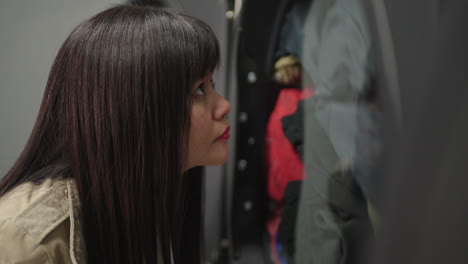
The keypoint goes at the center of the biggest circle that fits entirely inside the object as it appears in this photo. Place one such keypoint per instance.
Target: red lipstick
(225, 135)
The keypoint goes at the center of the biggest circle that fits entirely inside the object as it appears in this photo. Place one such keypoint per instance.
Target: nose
(222, 108)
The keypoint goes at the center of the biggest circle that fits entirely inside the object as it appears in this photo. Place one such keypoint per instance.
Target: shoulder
(34, 223)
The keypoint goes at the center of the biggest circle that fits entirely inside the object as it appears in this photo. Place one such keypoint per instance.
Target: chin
(219, 157)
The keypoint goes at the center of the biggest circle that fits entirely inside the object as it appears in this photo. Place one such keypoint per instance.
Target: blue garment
(291, 34)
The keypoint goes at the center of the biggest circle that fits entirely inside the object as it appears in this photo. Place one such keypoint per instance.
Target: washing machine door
(424, 167)
(417, 188)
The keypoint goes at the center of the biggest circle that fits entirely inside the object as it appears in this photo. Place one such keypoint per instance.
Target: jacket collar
(77, 245)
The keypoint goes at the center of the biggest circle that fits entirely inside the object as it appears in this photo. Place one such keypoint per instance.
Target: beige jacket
(41, 224)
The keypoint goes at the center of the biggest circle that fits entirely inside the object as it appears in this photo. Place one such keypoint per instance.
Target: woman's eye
(200, 90)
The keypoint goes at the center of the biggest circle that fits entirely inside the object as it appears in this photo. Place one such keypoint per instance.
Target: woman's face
(209, 129)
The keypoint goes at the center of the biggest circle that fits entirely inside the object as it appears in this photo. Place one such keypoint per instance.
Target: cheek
(198, 128)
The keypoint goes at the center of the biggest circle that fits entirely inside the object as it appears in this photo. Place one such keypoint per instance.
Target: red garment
(283, 162)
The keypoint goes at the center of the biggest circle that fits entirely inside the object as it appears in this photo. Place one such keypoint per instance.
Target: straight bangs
(205, 48)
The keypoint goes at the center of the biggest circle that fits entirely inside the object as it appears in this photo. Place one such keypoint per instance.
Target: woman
(128, 109)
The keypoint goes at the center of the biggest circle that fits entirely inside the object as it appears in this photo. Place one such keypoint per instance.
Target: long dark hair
(116, 111)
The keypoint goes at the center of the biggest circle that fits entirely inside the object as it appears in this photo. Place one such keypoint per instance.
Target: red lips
(225, 135)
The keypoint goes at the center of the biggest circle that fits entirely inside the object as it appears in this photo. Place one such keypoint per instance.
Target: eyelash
(201, 88)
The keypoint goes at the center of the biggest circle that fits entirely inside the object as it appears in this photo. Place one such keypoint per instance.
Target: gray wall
(31, 34)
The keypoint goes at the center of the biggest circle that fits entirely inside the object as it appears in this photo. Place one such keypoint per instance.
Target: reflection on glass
(322, 137)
